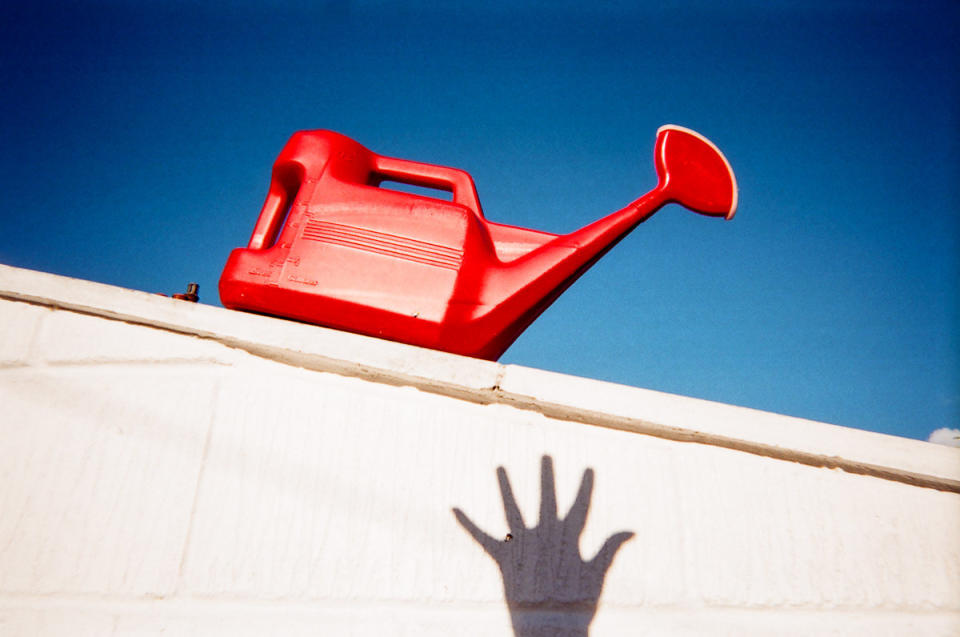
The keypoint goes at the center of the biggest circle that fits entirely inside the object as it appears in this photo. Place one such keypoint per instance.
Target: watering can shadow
(333, 248)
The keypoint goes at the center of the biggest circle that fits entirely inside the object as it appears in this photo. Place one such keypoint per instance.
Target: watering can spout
(691, 171)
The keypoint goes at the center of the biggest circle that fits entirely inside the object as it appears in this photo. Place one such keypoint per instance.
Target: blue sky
(137, 140)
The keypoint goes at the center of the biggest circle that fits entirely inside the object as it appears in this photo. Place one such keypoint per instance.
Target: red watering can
(334, 249)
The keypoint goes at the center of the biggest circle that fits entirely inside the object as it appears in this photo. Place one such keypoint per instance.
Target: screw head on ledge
(190, 295)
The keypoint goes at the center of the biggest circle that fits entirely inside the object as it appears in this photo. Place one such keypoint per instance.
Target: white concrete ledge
(555, 395)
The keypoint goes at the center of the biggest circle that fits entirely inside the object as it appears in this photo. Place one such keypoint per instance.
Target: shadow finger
(510, 508)
(489, 544)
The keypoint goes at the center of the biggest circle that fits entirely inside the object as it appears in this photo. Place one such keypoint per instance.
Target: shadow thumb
(605, 555)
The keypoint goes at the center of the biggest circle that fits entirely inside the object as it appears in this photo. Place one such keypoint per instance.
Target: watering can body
(331, 247)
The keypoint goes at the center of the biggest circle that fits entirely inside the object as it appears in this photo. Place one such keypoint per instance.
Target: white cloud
(945, 436)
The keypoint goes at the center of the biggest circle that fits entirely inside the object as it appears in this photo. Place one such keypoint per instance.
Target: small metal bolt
(191, 295)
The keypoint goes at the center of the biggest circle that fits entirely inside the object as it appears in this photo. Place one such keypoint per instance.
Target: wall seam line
(199, 485)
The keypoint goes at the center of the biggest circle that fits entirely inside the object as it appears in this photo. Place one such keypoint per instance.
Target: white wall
(168, 468)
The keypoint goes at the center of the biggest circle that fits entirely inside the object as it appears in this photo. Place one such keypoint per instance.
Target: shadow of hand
(550, 589)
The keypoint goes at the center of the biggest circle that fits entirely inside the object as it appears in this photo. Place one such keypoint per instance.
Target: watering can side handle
(415, 173)
(284, 184)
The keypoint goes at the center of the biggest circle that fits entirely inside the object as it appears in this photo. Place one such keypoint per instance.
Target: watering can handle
(284, 184)
(415, 173)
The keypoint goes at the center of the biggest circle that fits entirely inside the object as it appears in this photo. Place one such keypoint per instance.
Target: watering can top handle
(415, 173)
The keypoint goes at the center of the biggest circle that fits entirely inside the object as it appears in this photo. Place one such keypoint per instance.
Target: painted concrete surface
(170, 468)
